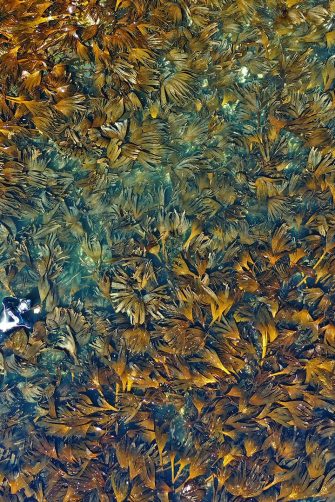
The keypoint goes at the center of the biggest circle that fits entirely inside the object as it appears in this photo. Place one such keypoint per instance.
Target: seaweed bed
(167, 188)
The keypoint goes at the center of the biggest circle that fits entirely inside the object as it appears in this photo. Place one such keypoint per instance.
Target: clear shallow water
(167, 198)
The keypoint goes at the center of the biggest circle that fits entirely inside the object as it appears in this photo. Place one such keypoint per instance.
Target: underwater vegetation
(167, 189)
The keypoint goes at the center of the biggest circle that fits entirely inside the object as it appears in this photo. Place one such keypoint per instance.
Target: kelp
(166, 200)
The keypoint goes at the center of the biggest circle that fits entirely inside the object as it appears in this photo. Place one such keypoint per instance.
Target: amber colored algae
(167, 186)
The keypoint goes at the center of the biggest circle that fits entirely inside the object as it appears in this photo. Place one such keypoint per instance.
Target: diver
(15, 314)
